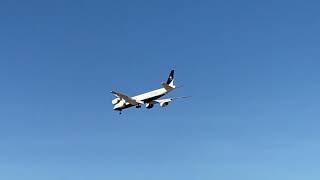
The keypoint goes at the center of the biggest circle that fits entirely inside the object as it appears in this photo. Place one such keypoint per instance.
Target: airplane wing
(126, 98)
(162, 100)
(166, 101)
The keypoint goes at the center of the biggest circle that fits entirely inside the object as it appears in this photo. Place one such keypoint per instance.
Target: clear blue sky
(252, 68)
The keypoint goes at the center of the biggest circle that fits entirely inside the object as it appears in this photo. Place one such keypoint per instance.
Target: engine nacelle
(116, 101)
(149, 106)
(164, 104)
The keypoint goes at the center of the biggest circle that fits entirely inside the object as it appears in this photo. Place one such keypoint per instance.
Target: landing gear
(120, 112)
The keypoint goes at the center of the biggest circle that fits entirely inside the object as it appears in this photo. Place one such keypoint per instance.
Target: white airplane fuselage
(145, 98)
(148, 99)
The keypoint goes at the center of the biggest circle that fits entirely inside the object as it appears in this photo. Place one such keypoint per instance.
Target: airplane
(148, 99)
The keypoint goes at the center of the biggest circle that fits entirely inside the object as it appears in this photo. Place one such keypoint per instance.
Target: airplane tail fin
(169, 84)
(171, 79)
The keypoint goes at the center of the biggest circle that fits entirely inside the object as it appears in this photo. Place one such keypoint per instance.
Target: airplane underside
(148, 103)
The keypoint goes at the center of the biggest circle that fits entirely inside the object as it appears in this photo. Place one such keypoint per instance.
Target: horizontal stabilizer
(168, 87)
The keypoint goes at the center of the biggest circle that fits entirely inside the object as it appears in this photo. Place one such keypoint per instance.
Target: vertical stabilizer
(169, 84)
(171, 79)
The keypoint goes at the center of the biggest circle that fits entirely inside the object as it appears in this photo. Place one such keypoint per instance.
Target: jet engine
(116, 101)
(164, 104)
(149, 106)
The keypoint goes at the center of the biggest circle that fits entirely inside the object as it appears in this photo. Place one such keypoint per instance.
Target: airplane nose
(118, 107)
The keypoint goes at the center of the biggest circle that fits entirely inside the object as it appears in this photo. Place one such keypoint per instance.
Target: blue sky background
(252, 68)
